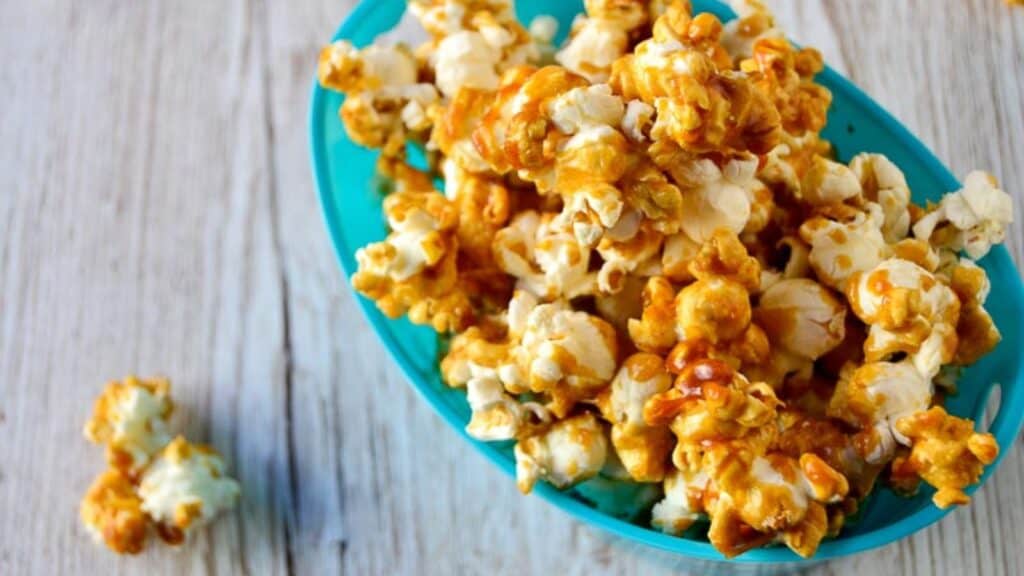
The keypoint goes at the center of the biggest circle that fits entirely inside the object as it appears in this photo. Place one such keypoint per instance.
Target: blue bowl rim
(829, 549)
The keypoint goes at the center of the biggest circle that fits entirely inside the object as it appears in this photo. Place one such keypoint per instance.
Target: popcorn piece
(384, 100)
(637, 121)
(676, 256)
(946, 452)
(547, 260)
(909, 311)
(347, 69)
(885, 184)
(444, 17)
(754, 23)
(874, 397)
(453, 128)
(624, 257)
(712, 310)
(976, 332)
(786, 74)
(644, 450)
(655, 330)
(699, 109)
(839, 249)
(601, 37)
(130, 419)
(414, 269)
(828, 182)
(712, 403)
(802, 317)
(775, 495)
(474, 361)
(466, 59)
(715, 198)
(186, 487)
(566, 353)
(112, 513)
(474, 42)
(683, 502)
(572, 450)
(972, 219)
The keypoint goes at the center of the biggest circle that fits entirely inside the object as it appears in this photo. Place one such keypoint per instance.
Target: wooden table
(157, 215)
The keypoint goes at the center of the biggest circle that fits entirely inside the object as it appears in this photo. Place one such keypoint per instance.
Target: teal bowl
(351, 202)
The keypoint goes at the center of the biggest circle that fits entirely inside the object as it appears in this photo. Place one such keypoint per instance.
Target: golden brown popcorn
(723, 256)
(945, 452)
(803, 321)
(774, 495)
(909, 310)
(655, 330)
(683, 503)
(699, 107)
(516, 132)
(444, 17)
(112, 512)
(972, 219)
(873, 397)
(484, 207)
(627, 256)
(841, 248)
(474, 42)
(644, 450)
(711, 403)
(475, 361)
(785, 165)
(185, 488)
(602, 36)
(572, 450)
(801, 433)
(828, 182)
(754, 22)
(648, 190)
(384, 98)
(545, 258)
(567, 354)
(130, 419)
(786, 74)
(883, 182)
(977, 334)
(414, 270)
(454, 124)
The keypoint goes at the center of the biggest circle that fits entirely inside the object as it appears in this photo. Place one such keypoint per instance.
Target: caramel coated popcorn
(154, 483)
(654, 269)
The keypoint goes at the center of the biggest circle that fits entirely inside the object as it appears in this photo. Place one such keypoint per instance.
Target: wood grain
(157, 215)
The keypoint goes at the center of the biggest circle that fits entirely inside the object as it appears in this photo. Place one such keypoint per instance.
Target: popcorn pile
(154, 480)
(654, 268)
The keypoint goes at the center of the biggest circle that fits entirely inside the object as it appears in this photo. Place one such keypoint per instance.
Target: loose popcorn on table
(154, 483)
(654, 269)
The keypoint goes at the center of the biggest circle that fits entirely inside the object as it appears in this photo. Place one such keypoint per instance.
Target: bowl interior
(351, 196)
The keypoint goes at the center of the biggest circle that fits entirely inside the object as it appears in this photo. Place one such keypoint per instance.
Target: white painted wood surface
(157, 215)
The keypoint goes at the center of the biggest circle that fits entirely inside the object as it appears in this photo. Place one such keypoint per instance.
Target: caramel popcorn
(946, 453)
(655, 270)
(571, 451)
(112, 512)
(130, 419)
(154, 482)
(185, 488)
(972, 219)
